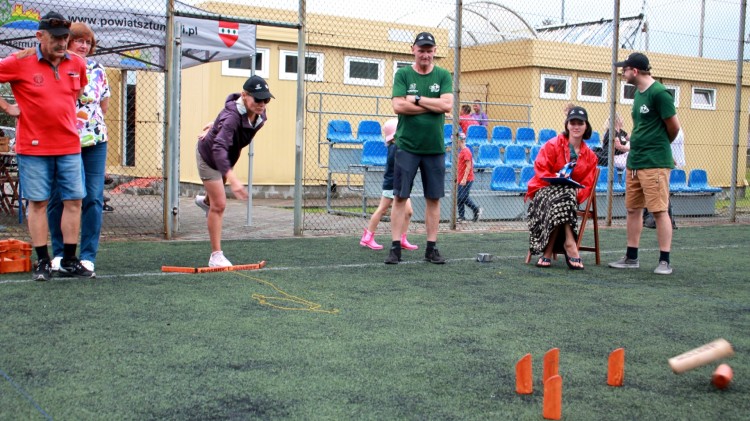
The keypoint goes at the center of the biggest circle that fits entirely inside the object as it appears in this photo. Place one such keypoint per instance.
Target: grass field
(328, 332)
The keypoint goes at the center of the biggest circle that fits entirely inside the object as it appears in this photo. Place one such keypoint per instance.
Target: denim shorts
(37, 174)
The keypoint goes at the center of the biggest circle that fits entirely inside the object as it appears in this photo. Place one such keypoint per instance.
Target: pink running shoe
(405, 244)
(368, 240)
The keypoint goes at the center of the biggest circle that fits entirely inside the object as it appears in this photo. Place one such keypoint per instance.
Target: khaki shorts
(204, 171)
(648, 188)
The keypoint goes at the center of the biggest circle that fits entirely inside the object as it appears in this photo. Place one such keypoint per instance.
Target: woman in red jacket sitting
(552, 219)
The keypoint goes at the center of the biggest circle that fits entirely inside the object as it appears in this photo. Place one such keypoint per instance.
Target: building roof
(598, 33)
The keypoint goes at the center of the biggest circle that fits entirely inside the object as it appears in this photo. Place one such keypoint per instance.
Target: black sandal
(571, 260)
(542, 260)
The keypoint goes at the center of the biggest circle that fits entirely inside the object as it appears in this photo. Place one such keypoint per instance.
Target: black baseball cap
(424, 38)
(257, 87)
(577, 113)
(636, 60)
(55, 24)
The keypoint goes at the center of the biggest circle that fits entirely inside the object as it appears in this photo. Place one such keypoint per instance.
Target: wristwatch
(416, 99)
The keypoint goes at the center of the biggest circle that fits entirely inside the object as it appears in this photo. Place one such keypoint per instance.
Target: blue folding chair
(515, 156)
(504, 179)
(534, 152)
(502, 136)
(488, 157)
(374, 153)
(594, 141)
(698, 180)
(448, 134)
(527, 173)
(340, 131)
(546, 134)
(369, 130)
(476, 136)
(678, 181)
(525, 136)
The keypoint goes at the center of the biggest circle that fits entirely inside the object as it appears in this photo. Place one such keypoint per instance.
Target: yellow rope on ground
(304, 305)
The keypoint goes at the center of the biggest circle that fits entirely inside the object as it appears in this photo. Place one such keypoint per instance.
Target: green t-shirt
(423, 133)
(649, 142)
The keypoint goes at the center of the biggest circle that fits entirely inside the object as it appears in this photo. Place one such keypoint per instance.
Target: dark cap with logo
(55, 24)
(577, 113)
(636, 60)
(424, 38)
(257, 88)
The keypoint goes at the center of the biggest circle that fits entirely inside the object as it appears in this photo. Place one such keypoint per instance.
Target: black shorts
(405, 169)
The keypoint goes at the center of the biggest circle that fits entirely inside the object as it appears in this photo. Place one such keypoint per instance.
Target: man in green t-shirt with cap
(422, 95)
(655, 126)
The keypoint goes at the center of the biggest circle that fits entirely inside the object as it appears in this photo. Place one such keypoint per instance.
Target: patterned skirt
(551, 207)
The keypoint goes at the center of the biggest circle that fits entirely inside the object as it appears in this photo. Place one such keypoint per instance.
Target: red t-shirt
(465, 160)
(47, 99)
(465, 121)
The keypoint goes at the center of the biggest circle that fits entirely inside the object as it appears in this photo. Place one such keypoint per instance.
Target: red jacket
(553, 156)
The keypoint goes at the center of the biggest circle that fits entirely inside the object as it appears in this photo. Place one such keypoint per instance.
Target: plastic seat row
(504, 179)
(679, 182)
(489, 156)
(340, 131)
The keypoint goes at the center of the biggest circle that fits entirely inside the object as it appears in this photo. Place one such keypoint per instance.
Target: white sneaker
(200, 200)
(664, 268)
(88, 264)
(218, 260)
(55, 265)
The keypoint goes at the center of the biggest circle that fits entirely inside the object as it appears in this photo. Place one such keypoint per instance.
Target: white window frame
(589, 98)
(397, 62)
(676, 94)
(265, 59)
(380, 81)
(548, 95)
(624, 100)
(317, 77)
(712, 98)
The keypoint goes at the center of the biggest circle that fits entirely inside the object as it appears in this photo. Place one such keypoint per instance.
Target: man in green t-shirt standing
(422, 95)
(655, 126)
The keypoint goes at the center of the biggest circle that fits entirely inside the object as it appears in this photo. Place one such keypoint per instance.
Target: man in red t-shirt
(465, 178)
(46, 81)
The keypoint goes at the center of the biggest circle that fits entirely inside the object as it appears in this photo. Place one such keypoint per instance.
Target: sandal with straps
(544, 262)
(571, 260)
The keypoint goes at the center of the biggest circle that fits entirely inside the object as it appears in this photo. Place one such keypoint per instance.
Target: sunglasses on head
(56, 23)
(258, 100)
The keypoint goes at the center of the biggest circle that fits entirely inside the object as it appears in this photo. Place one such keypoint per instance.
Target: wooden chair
(589, 211)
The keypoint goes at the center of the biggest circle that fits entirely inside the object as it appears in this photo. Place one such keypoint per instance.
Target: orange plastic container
(15, 256)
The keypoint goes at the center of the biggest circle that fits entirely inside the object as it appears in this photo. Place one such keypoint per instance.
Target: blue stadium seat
(488, 157)
(546, 134)
(374, 153)
(476, 135)
(534, 152)
(515, 156)
(501, 136)
(601, 183)
(369, 130)
(340, 131)
(504, 179)
(698, 180)
(525, 136)
(594, 141)
(678, 181)
(526, 174)
(448, 159)
(448, 134)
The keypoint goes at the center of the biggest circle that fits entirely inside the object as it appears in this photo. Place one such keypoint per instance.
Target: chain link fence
(520, 63)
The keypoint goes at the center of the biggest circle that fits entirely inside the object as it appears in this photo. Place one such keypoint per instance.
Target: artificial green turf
(412, 341)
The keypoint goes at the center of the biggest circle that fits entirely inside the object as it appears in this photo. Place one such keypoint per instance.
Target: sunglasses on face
(258, 100)
(56, 23)
(576, 123)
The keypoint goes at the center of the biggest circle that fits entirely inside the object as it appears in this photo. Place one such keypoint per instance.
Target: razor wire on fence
(519, 63)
